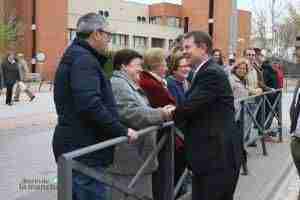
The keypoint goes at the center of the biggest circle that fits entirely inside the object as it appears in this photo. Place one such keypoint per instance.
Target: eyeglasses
(184, 66)
(109, 34)
(249, 54)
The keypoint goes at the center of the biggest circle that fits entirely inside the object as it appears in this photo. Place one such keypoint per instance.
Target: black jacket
(270, 75)
(85, 104)
(295, 109)
(211, 136)
(10, 72)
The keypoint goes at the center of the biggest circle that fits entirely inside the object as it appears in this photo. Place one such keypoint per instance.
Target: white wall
(123, 18)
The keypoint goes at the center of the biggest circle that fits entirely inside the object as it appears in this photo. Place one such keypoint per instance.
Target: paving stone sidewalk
(26, 131)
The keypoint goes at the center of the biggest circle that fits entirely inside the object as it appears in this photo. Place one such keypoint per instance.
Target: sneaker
(272, 133)
(31, 98)
(253, 144)
(270, 139)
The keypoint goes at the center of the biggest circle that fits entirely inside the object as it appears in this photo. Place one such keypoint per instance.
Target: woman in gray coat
(135, 112)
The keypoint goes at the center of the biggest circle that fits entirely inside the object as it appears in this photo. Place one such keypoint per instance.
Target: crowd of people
(14, 74)
(192, 87)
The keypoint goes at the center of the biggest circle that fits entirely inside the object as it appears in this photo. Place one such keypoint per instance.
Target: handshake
(167, 112)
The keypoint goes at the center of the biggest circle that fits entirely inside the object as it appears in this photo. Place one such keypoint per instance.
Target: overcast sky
(242, 4)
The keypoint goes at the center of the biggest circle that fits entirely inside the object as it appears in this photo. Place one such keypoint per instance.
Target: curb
(273, 187)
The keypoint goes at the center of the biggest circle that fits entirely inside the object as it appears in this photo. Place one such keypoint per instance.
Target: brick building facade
(49, 25)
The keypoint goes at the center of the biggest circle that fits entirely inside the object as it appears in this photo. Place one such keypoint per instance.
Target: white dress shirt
(199, 67)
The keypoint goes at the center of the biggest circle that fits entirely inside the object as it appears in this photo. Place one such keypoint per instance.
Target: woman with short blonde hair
(152, 81)
(153, 58)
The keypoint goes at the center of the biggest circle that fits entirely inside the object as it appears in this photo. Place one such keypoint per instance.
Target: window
(103, 13)
(72, 34)
(139, 42)
(155, 20)
(120, 40)
(178, 22)
(173, 21)
(158, 42)
(141, 19)
(186, 24)
(171, 44)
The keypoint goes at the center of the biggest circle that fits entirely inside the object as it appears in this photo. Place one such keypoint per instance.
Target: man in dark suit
(85, 105)
(213, 146)
(295, 128)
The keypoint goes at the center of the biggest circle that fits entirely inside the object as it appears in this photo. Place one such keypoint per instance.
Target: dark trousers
(217, 186)
(180, 164)
(85, 187)
(9, 93)
(162, 187)
(295, 149)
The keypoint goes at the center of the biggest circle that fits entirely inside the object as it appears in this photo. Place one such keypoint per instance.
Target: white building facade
(131, 23)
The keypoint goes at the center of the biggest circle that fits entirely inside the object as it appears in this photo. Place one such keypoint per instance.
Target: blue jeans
(86, 188)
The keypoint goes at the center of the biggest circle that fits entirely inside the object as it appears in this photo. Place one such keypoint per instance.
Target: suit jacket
(294, 109)
(135, 112)
(211, 136)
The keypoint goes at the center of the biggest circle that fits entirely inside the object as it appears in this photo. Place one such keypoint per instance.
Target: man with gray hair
(85, 105)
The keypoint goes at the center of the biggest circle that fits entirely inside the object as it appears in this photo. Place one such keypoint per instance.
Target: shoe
(270, 139)
(252, 145)
(272, 133)
(9, 104)
(31, 98)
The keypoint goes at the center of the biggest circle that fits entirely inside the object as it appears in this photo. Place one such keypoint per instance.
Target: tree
(288, 31)
(266, 16)
(10, 33)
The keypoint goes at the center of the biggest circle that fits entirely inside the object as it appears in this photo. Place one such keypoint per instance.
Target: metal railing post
(280, 116)
(169, 193)
(64, 174)
(262, 122)
(242, 124)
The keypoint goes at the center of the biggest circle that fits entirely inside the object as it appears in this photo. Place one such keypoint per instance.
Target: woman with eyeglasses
(178, 85)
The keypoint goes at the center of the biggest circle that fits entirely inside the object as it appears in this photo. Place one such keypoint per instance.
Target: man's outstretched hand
(132, 135)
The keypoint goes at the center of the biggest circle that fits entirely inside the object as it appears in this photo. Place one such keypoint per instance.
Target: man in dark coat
(295, 128)
(85, 104)
(213, 145)
(10, 75)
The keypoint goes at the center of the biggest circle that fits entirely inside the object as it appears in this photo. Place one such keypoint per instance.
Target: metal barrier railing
(261, 109)
(66, 163)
